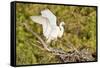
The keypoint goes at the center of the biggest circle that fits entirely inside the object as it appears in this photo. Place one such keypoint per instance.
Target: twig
(30, 42)
(66, 57)
(54, 51)
(43, 43)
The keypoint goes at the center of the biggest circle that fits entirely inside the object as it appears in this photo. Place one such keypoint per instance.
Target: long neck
(61, 30)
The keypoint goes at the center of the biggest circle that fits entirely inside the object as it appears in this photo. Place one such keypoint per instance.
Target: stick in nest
(65, 56)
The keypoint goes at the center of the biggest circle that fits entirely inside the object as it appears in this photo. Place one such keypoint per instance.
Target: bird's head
(62, 23)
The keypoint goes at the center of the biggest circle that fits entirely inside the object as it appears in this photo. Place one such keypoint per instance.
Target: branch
(39, 38)
(42, 41)
(74, 56)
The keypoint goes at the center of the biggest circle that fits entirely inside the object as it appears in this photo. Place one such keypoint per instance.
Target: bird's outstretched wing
(51, 17)
(39, 19)
(45, 24)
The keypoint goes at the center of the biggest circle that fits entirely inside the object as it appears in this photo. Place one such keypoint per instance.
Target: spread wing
(51, 17)
(45, 24)
(39, 19)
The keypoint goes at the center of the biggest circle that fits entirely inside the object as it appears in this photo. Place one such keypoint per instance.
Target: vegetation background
(80, 30)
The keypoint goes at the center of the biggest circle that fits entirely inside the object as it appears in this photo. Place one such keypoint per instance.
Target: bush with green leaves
(80, 30)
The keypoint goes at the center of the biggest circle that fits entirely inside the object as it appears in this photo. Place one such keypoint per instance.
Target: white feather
(51, 17)
(50, 29)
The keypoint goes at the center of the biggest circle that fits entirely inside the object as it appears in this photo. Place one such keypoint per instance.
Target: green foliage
(80, 30)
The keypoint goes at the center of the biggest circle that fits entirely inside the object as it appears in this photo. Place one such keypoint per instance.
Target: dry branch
(75, 56)
(41, 40)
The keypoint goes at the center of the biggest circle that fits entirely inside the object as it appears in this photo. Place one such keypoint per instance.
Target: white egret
(50, 29)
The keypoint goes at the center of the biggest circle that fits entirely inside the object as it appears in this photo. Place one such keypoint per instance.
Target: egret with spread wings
(48, 21)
